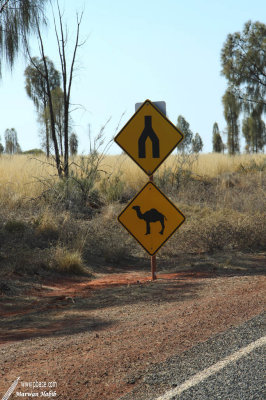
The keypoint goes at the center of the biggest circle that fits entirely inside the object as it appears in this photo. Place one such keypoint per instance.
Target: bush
(165, 179)
(252, 166)
(107, 238)
(112, 188)
(34, 152)
(209, 231)
(14, 226)
(77, 195)
(47, 226)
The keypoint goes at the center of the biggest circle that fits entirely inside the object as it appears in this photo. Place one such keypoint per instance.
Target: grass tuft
(68, 261)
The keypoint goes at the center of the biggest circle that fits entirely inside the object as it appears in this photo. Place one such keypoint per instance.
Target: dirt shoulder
(96, 338)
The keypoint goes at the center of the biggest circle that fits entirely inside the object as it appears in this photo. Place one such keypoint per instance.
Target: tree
(217, 143)
(59, 117)
(244, 64)
(17, 21)
(67, 69)
(11, 141)
(254, 131)
(58, 106)
(36, 88)
(186, 157)
(197, 143)
(183, 125)
(1, 147)
(232, 108)
(58, 109)
(73, 144)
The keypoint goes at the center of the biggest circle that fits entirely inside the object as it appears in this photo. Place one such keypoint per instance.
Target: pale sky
(136, 50)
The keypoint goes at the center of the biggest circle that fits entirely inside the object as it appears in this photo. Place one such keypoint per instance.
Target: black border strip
(157, 109)
(131, 201)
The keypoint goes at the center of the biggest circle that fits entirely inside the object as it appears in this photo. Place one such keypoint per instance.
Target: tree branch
(3, 6)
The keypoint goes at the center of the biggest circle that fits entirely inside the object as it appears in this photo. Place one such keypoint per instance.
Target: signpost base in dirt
(153, 258)
(153, 268)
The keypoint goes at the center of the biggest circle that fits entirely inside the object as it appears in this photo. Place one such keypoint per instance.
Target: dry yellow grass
(65, 232)
(211, 164)
(21, 175)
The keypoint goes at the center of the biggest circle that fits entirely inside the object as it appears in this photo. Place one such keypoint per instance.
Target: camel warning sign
(151, 218)
(148, 137)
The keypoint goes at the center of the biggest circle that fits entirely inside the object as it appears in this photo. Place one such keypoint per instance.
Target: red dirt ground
(97, 338)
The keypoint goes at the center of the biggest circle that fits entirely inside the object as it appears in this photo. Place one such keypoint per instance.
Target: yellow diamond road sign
(151, 218)
(148, 137)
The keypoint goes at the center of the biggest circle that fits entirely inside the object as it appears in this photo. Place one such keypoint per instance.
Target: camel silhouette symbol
(149, 216)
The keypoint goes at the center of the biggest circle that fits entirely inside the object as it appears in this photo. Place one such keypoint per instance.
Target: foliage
(36, 85)
(37, 89)
(244, 64)
(217, 143)
(73, 144)
(252, 166)
(58, 106)
(112, 188)
(254, 131)
(1, 147)
(11, 138)
(47, 226)
(17, 21)
(83, 179)
(79, 192)
(197, 143)
(232, 107)
(223, 201)
(183, 125)
(165, 179)
(57, 97)
(173, 179)
(107, 237)
(188, 153)
(34, 152)
(212, 232)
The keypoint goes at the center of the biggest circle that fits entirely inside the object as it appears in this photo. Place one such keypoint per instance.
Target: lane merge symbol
(148, 132)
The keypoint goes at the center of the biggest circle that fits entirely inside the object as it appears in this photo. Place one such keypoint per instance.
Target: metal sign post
(153, 258)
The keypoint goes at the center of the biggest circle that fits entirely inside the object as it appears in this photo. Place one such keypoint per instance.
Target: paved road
(241, 378)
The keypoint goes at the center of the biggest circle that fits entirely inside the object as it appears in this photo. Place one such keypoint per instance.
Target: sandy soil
(96, 338)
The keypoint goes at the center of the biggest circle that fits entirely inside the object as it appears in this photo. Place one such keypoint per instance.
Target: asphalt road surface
(228, 366)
